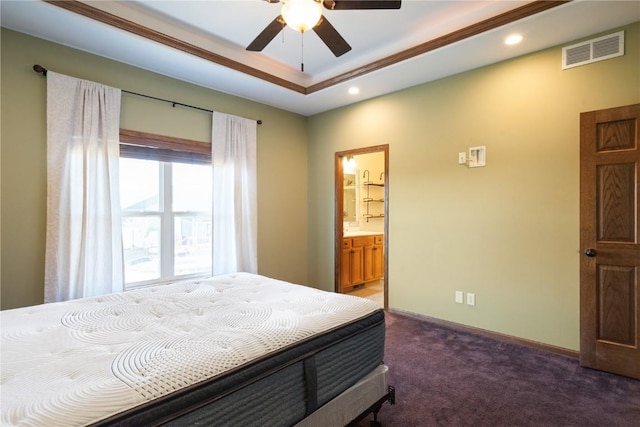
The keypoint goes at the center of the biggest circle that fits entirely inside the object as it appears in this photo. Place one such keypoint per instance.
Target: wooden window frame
(148, 146)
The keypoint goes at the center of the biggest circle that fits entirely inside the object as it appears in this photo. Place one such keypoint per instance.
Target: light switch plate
(462, 158)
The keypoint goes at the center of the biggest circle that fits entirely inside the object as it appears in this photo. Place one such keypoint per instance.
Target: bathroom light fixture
(513, 39)
(353, 90)
(349, 163)
(301, 15)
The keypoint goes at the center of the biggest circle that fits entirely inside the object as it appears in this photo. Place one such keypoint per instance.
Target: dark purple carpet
(445, 377)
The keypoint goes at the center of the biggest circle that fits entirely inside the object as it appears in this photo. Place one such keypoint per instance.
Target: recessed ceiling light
(354, 90)
(513, 39)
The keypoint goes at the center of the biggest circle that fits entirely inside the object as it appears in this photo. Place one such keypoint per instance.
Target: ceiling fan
(320, 25)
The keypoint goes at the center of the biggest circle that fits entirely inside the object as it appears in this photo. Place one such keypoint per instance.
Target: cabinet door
(361, 267)
(357, 265)
(378, 261)
(345, 275)
(368, 263)
(345, 279)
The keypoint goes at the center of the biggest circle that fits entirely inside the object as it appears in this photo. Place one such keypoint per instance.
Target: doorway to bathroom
(361, 223)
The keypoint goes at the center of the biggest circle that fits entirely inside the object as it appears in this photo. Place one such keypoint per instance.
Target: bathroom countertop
(361, 233)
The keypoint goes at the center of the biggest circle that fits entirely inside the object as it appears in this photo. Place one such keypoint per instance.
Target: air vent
(593, 50)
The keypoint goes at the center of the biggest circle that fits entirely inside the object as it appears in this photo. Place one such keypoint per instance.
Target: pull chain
(302, 51)
(282, 31)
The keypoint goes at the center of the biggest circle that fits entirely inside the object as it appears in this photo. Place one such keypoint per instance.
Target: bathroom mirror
(349, 213)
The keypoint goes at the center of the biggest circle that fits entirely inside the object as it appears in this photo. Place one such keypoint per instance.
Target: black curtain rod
(41, 70)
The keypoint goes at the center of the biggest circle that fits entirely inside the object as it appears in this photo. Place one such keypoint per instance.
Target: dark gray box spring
(276, 390)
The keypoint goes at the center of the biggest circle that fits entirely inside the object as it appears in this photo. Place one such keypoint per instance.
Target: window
(166, 214)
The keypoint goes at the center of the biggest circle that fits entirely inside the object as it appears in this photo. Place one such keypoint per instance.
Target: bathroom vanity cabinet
(362, 260)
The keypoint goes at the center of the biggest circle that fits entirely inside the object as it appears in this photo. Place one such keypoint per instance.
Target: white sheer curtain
(235, 225)
(84, 240)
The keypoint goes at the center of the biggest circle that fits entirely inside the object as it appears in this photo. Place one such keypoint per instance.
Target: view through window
(166, 220)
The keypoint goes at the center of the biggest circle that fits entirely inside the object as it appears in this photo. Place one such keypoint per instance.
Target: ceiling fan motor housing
(321, 26)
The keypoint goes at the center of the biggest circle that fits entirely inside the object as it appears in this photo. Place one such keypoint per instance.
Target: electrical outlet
(471, 299)
(459, 297)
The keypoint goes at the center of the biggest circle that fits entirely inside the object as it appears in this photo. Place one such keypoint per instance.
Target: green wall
(508, 232)
(282, 202)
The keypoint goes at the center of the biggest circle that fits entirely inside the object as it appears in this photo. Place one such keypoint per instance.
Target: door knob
(590, 252)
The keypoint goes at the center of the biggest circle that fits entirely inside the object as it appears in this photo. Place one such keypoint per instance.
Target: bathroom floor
(372, 290)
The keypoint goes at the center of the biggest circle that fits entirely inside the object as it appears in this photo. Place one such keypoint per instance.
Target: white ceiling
(225, 28)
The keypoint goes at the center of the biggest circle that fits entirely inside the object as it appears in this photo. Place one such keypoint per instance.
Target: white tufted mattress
(77, 362)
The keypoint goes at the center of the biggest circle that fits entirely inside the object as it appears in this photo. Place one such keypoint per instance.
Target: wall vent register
(594, 50)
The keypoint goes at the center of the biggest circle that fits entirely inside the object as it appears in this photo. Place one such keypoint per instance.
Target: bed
(231, 350)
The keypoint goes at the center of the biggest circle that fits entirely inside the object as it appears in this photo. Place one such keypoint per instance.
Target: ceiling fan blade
(361, 4)
(265, 37)
(330, 36)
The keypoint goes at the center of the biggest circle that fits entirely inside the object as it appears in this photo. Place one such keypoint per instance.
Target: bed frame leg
(374, 422)
(391, 398)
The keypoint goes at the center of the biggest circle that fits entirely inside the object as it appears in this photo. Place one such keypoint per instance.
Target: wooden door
(609, 240)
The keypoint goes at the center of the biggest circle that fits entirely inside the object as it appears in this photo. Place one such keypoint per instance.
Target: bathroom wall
(371, 168)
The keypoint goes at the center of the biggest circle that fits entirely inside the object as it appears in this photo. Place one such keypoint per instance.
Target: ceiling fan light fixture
(301, 15)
